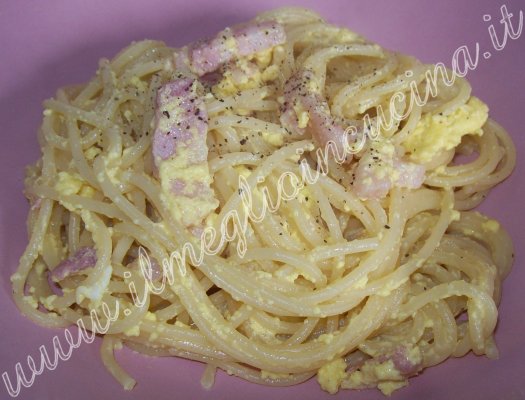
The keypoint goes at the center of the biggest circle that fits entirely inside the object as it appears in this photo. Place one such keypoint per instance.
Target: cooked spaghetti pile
(333, 199)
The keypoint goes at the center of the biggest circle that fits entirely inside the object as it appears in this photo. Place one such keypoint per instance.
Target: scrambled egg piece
(275, 139)
(97, 290)
(386, 371)
(380, 157)
(92, 152)
(331, 375)
(244, 74)
(68, 184)
(31, 301)
(150, 316)
(326, 338)
(436, 133)
(112, 163)
(138, 83)
(263, 58)
(47, 302)
(391, 386)
(384, 375)
(189, 210)
(490, 226)
(133, 331)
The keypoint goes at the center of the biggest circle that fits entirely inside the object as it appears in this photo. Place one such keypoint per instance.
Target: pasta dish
(280, 201)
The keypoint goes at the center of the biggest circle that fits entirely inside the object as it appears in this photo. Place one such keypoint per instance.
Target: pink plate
(48, 44)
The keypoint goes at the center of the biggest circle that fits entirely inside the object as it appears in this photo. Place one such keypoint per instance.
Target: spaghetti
(371, 270)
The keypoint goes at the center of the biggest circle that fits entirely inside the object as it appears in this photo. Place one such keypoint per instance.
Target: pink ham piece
(400, 358)
(239, 74)
(182, 188)
(377, 173)
(36, 204)
(402, 362)
(53, 286)
(156, 270)
(85, 257)
(242, 40)
(180, 151)
(297, 95)
(180, 117)
(147, 266)
(301, 94)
